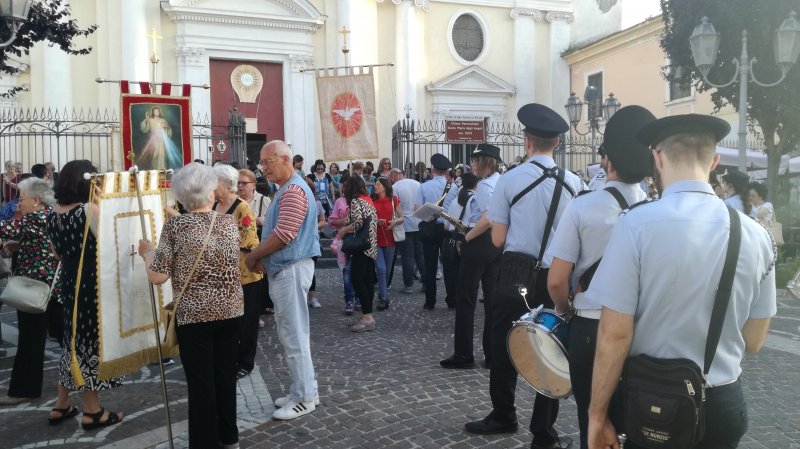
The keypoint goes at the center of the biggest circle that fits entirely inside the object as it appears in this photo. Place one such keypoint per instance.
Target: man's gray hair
(228, 175)
(192, 185)
(38, 188)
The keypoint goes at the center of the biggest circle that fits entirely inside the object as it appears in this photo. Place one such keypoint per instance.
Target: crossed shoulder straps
(552, 172)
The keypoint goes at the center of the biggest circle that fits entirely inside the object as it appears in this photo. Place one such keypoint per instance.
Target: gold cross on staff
(155, 37)
(344, 32)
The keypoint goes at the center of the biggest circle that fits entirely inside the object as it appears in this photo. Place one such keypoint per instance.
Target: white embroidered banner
(127, 337)
(347, 115)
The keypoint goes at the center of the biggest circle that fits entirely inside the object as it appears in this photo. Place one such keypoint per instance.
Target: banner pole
(134, 171)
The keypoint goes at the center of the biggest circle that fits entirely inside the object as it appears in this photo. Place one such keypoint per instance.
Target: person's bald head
(276, 161)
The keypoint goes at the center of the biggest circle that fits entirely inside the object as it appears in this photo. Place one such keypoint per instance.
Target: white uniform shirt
(662, 266)
(527, 219)
(407, 191)
(584, 230)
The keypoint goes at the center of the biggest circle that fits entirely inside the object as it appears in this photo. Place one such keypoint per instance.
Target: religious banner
(347, 115)
(156, 131)
(125, 318)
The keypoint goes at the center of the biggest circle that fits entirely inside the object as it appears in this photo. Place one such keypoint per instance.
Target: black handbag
(663, 399)
(358, 241)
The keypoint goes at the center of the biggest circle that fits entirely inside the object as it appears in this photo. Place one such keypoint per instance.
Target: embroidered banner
(347, 115)
(127, 337)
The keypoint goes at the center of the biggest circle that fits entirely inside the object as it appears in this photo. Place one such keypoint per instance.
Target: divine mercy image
(156, 142)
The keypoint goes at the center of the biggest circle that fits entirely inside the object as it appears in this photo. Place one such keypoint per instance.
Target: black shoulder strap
(723, 296)
(464, 209)
(623, 204)
(546, 173)
(551, 215)
(447, 189)
(260, 206)
(586, 278)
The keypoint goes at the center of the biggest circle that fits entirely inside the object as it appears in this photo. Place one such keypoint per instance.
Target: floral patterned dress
(66, 234)
(34, 259)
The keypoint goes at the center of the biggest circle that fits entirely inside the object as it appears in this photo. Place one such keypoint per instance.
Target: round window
(467, 37)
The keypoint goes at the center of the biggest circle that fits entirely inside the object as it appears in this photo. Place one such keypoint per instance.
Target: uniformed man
(526, 206)
(582, 235)
(430, 192)
(478, 263)
(659, 275)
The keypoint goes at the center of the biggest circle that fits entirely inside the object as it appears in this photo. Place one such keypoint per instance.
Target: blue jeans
(382, 264)
(411, 252)
(347, 280)
(289, 289)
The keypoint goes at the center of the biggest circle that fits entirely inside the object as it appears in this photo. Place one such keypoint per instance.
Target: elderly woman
(763, 211)
(34, 261)
(72, 236)
(210, 305)
(229, 203)
(362, 213)
(259, 204)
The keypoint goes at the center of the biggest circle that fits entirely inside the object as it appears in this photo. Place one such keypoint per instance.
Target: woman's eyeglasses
(244, 183)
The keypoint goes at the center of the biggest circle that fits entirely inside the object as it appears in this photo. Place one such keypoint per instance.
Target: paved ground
(379, 389)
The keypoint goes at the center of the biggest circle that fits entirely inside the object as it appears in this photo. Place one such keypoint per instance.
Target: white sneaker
(280, 402)
(292, 410)
(314, 303)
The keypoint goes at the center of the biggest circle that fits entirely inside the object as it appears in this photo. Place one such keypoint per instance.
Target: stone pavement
(379, 389)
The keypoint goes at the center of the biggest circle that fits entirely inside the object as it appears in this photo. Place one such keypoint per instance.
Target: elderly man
(289, 240)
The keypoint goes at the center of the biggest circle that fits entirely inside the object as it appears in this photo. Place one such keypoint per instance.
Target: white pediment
(290, 14)
(472, 80)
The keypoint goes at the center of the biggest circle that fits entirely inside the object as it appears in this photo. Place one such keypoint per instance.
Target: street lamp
(704, 43)
(574, 109)
(14, 13)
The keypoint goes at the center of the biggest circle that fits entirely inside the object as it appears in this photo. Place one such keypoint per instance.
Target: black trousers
(479, 264)
(26, 375)
(208, 354)
(508, 307)
(248, 325)
(363, 273)
(266, 300)
(582, 345)
(726, 418)
(430, 253)
(451, 266)
(55, 321)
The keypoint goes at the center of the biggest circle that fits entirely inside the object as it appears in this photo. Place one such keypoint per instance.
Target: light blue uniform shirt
(735, 201)
(432, 190)
(584, 230)
(483, 197)
(662, 266)
(526, 220)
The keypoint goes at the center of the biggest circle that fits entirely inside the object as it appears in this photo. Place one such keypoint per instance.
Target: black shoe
(561, 443)
(382, 304)
(489, 426)
(428, 307)
(457, 362)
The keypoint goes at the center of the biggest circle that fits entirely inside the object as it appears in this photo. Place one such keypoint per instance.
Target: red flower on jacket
(247, 221)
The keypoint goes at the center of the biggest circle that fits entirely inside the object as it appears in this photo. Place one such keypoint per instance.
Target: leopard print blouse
(214, 291)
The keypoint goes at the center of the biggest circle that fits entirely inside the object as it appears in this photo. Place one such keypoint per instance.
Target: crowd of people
(244, 242)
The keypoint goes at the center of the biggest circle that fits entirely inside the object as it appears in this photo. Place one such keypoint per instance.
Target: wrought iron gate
(38, 136)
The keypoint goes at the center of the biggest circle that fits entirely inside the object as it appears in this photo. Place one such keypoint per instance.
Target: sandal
(113, 418)
(242, 373)
(66, 413)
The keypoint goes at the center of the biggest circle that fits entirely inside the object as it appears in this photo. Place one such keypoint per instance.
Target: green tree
(776, 110)
(48, 21)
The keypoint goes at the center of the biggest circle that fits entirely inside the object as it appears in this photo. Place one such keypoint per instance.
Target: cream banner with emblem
(127, 337)
(347, 115)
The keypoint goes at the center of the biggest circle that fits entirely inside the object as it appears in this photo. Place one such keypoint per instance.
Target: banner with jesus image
(347, 115)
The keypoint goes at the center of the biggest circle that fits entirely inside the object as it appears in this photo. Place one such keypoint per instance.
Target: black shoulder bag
(663, 398)
(427, 229)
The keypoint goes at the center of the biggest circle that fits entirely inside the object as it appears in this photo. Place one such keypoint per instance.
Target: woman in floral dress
(35, 261)
(66, 226)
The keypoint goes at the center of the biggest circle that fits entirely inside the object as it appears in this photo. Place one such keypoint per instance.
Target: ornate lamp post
(704, 42)
(574, 109)
(14, 13)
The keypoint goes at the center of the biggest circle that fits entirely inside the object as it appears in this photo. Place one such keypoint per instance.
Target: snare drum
(536, 346)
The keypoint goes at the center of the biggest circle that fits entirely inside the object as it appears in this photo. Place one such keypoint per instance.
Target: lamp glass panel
(787, 41)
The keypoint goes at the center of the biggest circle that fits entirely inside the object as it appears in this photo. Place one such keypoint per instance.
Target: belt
(719, 388)
(593, 314)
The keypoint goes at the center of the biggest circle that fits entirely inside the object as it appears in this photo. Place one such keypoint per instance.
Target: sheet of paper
(427, 212)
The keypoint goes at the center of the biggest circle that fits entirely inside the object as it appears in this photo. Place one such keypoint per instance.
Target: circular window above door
(467, 38)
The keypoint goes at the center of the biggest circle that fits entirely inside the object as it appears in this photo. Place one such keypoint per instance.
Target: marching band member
(478, 264)
(581, 238)
(526, 206)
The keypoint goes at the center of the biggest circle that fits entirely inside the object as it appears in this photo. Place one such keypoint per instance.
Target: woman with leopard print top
(209, 310)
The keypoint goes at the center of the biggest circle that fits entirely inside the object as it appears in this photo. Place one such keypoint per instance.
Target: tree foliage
(776, 110)
(48, 21)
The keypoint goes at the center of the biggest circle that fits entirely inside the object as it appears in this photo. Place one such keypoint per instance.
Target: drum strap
(551, 212)
(586, 277)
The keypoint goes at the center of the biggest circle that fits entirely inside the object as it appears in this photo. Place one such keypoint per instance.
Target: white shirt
(407, 191)
(663, 264)
(259, 204)
(765, 207)
(455, 210)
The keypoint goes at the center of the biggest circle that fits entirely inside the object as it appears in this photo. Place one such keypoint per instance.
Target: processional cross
(133, 256)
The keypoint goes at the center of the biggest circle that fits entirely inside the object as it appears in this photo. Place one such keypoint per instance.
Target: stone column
(193, 68)
(301, 114)
(525, 54)
(133, 30)
(559, 70)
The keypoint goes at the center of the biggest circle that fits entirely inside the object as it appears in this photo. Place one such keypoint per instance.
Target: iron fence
(38, 136)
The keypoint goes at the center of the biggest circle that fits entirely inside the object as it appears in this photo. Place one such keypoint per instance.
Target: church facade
(474, 59)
